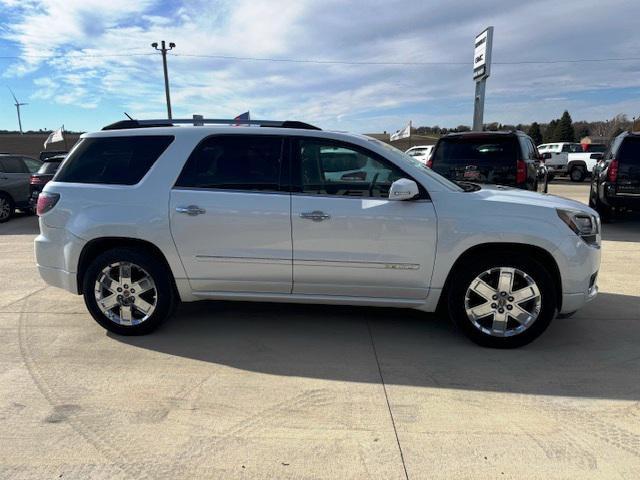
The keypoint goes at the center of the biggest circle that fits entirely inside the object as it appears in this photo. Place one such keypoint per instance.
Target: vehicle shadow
(593, 354)
(20, 224)
(625, 228)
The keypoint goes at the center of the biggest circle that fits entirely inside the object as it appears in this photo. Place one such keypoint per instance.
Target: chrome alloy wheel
(5, 208)
(125, 293)
(503, 302)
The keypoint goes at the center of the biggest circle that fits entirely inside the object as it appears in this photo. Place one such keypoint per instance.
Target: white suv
(144, 214)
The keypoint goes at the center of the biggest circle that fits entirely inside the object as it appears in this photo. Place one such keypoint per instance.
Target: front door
(230, 220)
(348, 238)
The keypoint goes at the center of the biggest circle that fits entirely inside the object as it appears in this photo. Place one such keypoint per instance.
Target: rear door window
(13, 165)
(235, 162)
(32, 165)
(113, 160)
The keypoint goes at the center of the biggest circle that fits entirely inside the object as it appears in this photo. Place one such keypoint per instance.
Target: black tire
(577, 174)
(550, 177)
(465, 274)
(165, 296)
(7, 208)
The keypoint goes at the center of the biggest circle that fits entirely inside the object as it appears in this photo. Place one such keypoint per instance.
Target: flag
(242, 116)
(54, 137)
(402, 133)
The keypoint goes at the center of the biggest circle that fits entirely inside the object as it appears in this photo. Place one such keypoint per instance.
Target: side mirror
(403, 189)
(596, 156)
(546, 155)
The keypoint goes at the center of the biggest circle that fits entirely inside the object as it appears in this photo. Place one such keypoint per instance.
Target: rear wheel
(503, 301)
(577, 174)
(7, 208)
(128, 292)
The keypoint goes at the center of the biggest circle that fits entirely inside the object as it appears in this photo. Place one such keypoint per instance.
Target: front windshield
(402, 157)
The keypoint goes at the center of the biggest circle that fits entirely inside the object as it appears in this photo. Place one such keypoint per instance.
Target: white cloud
(362, 98)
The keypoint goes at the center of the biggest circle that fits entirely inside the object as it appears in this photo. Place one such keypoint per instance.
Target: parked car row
(21, 179)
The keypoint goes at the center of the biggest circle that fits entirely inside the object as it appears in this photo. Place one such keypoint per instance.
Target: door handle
(316, 216)
(192, 210)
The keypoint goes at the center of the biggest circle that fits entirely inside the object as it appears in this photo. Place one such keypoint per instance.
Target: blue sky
(62, 65)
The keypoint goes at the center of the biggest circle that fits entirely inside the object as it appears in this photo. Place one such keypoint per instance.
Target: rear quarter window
(113, 160)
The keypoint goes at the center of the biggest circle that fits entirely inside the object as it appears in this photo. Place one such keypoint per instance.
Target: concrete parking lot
(230, 390)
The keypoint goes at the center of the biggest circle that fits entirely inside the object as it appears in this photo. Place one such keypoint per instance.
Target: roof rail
(127, 124)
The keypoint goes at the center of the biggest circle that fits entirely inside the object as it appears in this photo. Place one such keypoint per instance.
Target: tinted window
(49, 168)
(237, 162)
(483, 159)
(596, 148)
(112, 160)
(629, 160)
(330, 168)
(13, 165)
(32, 165)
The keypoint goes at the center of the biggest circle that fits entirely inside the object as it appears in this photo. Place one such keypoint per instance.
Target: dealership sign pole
(481, 71)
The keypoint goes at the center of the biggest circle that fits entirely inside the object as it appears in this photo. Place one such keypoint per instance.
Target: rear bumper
(57, 277)
(57, 253)
(609, 195)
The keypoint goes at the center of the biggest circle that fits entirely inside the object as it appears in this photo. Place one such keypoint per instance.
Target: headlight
(583, 224)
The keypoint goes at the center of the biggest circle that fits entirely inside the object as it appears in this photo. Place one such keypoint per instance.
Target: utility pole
(481, 71)
(163, 49)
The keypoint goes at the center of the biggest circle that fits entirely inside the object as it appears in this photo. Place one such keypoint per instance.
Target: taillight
(37, 180)
(612, 171)
(521, 172)
(430, 163)
(46, 201)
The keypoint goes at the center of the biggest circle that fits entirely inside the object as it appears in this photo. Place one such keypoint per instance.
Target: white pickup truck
(556, 156)
(579, 165)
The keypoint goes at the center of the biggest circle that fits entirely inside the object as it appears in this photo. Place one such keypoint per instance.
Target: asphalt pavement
(249, 390)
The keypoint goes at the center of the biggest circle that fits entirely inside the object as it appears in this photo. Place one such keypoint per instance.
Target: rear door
(230, 218)
(14, 178)
(628, 157)
(349, 239)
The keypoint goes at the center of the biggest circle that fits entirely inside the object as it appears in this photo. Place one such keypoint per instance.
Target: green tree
(550, 131)
(583, 132)
(535, 133)
(565, 131)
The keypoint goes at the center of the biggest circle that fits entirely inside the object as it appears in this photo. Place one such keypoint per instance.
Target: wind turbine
(18, 105)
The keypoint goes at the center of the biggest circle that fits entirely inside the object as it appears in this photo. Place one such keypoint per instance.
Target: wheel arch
(576, 163)
(99, 245)
(4, 193)
(543, 256)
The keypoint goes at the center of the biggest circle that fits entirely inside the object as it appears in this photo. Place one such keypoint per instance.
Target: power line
(320, 61)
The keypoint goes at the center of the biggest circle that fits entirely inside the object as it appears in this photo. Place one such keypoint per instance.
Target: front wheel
(503, 301)
(128, 292)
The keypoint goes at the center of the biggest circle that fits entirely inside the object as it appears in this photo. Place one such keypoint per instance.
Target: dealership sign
(482, 55)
